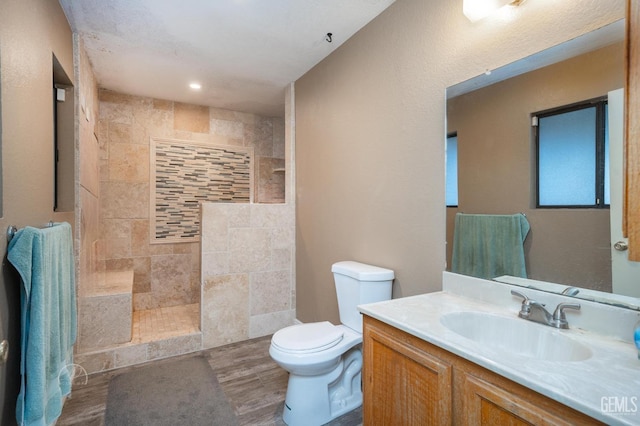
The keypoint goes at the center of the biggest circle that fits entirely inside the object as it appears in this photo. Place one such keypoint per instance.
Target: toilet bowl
(324, 360)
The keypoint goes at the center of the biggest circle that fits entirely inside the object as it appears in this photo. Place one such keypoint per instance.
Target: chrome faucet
(536, 312)
(570, 291)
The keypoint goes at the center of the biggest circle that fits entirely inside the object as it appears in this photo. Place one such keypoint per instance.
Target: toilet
(324, 360)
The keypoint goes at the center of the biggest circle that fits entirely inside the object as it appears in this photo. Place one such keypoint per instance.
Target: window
(573, 156)
(451, 197)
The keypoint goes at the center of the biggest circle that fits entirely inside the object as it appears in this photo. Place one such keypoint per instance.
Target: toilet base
(316, 400)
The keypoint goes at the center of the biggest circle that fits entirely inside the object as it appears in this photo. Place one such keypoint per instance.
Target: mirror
(491, 115)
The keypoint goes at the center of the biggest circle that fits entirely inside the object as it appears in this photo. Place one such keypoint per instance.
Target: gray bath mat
(184, 392)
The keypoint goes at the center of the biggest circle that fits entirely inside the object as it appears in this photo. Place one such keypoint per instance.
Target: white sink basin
(516, 335)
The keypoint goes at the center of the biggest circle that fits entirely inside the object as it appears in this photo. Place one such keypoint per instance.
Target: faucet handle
(558, 314)
(525, 309)
(525, 299)
(559, 319)
(526, 302)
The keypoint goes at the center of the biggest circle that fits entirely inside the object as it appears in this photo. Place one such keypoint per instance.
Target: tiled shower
(125, 269)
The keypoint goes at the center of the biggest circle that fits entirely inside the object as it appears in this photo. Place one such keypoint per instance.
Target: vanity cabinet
(408, 381)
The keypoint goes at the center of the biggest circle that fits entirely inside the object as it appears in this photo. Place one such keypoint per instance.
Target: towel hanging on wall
(44, 260)
(488, 246)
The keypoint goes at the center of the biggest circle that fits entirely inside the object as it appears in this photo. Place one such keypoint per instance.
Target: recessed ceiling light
(195, 86)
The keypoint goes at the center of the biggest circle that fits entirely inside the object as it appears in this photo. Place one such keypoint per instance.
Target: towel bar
(11, 230)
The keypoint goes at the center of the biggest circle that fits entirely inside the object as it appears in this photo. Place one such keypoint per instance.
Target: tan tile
(227, 128)
(163, 105)
(117, 248)
(270, 292)
(265, 324)
(278, 137)
(115, 228)
(125, 200)
(128, 162)
(119, 133)
(215, 263)
(249, 261)
(258, 239)
(175, 346)
(193, 118)
(114, 97)
(140, 238)
(259, 135)
(281, 259)
(115, 113)
(130, 355)
(122, 264)
(183, 248)
(142, 274)
(104, 321)
(225, 310)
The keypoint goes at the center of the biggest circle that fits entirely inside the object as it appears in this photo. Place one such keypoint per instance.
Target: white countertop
(596, 386)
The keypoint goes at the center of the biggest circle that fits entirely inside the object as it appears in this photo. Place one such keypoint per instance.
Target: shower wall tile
(128, 162)
(249, 260)
(225, 310)
(249, 239)
(228, 128)
(281, 258)
(140, 237)
(263, 325)
(104, 321)
(141, 274)
(256, 241)
(125, 200)
(118, 248)
(119, 133)
(171, 279)
(115, 228)
(192, 118)
(215, 263)
(271, 180)
(270, 292)
(115, 112)
(278, 138)
(122, 264)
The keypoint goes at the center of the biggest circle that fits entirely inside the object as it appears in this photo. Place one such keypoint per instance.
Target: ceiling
(243, 52)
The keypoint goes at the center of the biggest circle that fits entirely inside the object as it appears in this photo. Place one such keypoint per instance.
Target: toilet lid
(305, 338)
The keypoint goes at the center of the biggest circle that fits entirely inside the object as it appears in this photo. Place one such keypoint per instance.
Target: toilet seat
(308, 338)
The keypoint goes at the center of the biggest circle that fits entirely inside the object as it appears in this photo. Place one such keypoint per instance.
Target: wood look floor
(253, 383)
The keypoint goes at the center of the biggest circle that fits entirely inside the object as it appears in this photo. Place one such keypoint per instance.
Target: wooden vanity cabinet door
(403, 385)
(487, 404)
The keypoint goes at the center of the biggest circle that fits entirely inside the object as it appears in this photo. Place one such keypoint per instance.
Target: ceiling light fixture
(195, 86)
(475, 10)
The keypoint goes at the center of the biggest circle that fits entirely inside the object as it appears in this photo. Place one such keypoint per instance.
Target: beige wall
(496, 153)
(167, 274)
(370, 129)
(30, 32)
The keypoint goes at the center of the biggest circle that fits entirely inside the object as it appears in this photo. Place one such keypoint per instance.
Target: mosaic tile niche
(185, 174)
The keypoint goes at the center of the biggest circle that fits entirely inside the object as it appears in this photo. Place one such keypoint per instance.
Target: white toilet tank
(357, 284)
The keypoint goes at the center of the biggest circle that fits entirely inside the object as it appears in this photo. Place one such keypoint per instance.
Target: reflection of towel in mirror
(487, 246)
(44, 259)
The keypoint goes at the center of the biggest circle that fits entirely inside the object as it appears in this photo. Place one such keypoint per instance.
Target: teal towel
(44, 259)
(488, 246)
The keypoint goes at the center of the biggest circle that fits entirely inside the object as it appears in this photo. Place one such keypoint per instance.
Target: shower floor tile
(162, 323)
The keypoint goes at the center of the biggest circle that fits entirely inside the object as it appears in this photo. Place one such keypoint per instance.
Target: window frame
(600, 103)
(452, 135)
